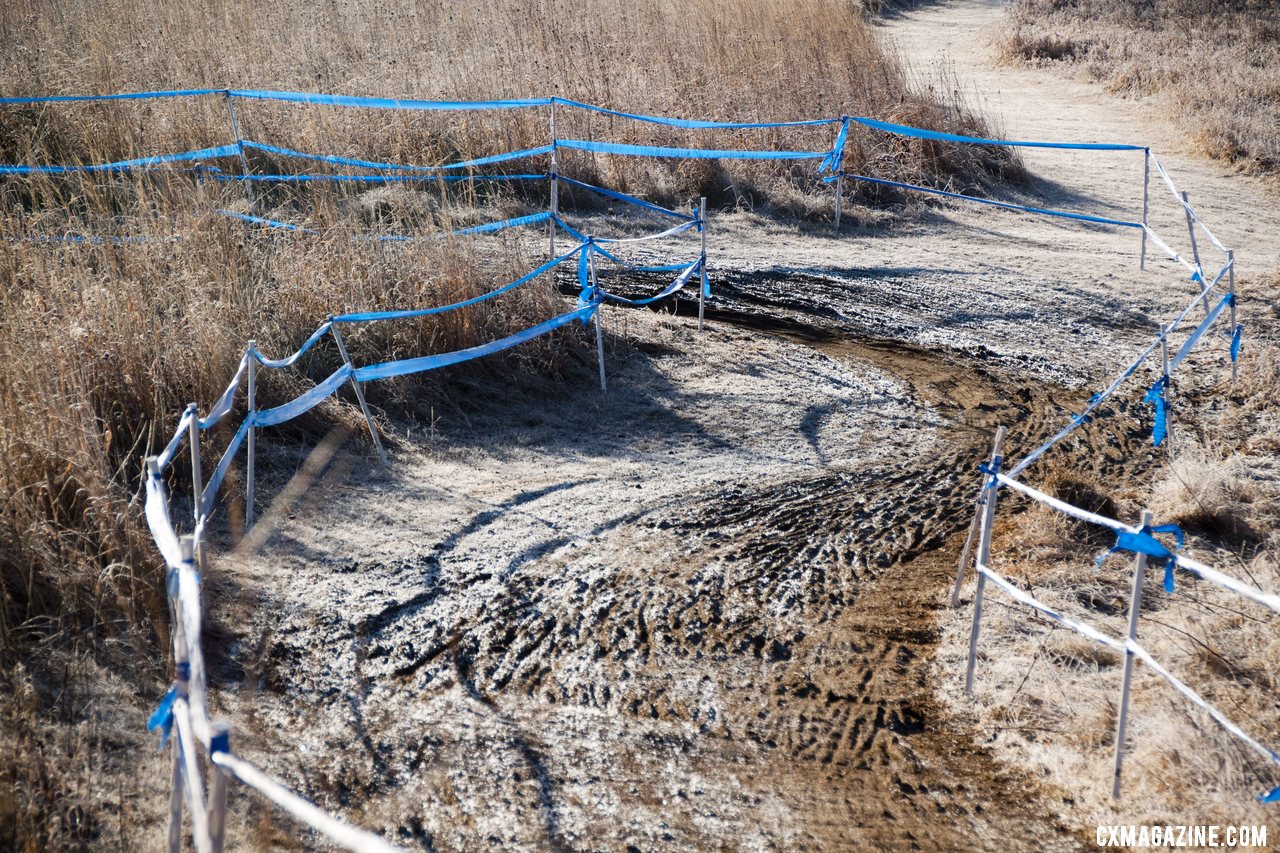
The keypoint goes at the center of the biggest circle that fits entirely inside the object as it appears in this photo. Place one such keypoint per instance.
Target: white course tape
(171, 449)
(677, 229)
(1173, 256)
(1079, 627)
(1196, 699)
(1177, 196)
(337, 831)
(220, 408)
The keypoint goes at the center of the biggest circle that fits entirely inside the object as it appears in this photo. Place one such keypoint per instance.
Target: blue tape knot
(1144, 542)
(162, 717)
(1155, 396)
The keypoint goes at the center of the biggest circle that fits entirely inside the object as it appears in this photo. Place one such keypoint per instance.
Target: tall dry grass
(102, 345)
(1212, 63)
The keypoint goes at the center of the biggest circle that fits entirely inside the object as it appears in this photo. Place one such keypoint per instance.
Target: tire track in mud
(793, 620)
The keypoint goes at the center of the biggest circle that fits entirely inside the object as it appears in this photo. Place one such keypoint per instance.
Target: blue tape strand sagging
(629, 199)
(1272, 796)
(671, 289)
(920, 133)
(568, 229)
(407, 366)
(127, 165)
(370, 316)
(687, 153)
(269, 223)
(373, 179)
(694, 124)
(1155, 397)
(386, 103)
(531, 219)
(305, 403)
(1235, 342)
(127, 96)
(288, 361)
(375, 164)
(162, 717)
(1082, 217)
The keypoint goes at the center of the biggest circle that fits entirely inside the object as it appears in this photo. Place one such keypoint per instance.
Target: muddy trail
(739, 660)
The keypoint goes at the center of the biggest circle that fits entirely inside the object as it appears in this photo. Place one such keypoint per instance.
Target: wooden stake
(984, 554)
(355, 384)
(1195, 251)
(1135, 605)
(702, 283)
(555, 186)
(591, 264)
(252, 437)
(1146, 203)
(1231, 278)
(219, 741)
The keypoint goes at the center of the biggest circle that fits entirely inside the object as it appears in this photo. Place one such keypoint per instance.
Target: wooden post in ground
(702, 279)
(197, 479)
(1231, 278)
(839, 197)
(1135, 605)
(251, 451)
(355, 384)
(1146, 204)
(1195, 251)
(984, 554)
(555, 186)
(219, 741)
(591, 265)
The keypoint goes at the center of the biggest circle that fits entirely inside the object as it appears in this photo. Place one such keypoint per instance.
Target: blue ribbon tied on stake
(1144, 542)
(1155, 397)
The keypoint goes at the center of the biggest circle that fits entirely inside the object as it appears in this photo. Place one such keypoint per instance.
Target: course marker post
(251, 444)
(1146, 204)
(968, 545)
(1135, 605)
(555, 187)
(839, 197)
(702, 283)
(219, 741)
(1231, 279)
(591, 265)
(197, 478)
(235, 134)
(1195, 251)
(984, 553)
(355, 384)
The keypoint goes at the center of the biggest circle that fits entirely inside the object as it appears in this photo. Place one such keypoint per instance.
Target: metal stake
(555, 186)
(1135, 605)
(1231, 279)
(1195, 251)
(984, 555)
(591, 265)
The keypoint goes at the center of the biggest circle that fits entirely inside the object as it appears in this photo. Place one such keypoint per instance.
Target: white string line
(338, 831)
(1177, 196)
(1192, 565)
(1131, 646)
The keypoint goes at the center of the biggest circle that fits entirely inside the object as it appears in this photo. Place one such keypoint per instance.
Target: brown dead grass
(1212, 63)
(1047, 698)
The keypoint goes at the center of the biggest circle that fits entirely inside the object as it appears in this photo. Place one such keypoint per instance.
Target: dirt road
(699, 612)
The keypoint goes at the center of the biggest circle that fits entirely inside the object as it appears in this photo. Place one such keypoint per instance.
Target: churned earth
(700, 611)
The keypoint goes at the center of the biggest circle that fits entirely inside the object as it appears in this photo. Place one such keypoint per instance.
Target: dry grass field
(1211, 64)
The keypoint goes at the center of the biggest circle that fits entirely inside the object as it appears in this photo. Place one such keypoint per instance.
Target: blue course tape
(127, 96)
(126, 165)
(289, 361)
(687, 153)
(694, 124)
(162, 717)
(224, 464)
(675, 286)
(1082, 217)
(372, 179)
(834, 162)
(406, 366)
(374, 164)
(305, 403)
(1155, 397)
(1235, 341)
(629, 199)
(920, 133)
(488, 227)
(1189, 344)
(1143, 542)
(370, 316)
(270, 223)
(385, 103)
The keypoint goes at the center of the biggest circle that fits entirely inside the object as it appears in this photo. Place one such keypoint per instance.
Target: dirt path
(700, 612)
